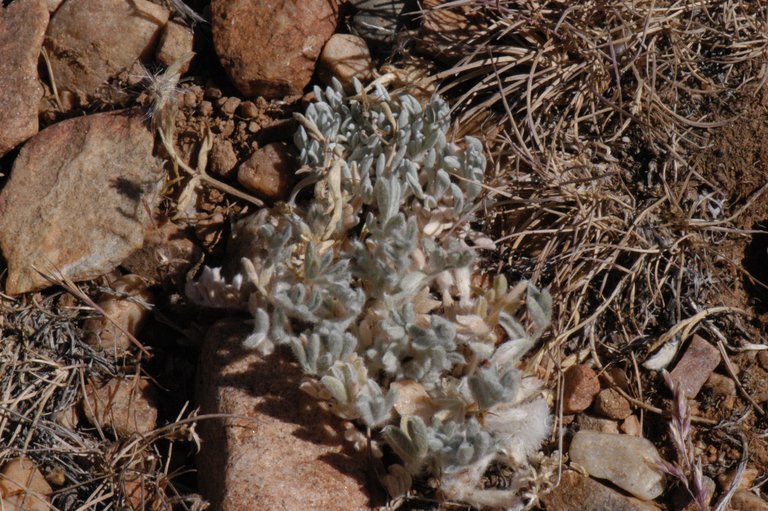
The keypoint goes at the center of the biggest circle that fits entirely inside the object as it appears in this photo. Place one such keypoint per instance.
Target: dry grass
(602, 105)
(44, 366)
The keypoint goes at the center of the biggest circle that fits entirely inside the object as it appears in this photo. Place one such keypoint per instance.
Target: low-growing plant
(371, 285)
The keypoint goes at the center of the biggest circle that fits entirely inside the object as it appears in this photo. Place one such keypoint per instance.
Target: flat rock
(124, 406)
(627, 461)
(580, 386)
(578, 493)
(23, 487)
(89, 41)
(290, 455)
(269, 48)
(77, 199)
(22, 29)
(695, 366)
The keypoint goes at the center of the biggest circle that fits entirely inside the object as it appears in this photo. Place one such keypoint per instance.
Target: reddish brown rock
(346, 56)
(269, 48)
(176, 43)
(123, 406)
(695, 366)
(124, 311)
(289, 455)
(89, 41)
(610, 403)
(222, 157)
(578, 493)
(77, 200)
(23, 487)
(22, 28)
(268, 172)
(580, 386)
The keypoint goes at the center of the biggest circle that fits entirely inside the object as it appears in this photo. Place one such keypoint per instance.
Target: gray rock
(22, 28)
(626, 461)
(578, 493)
(77, 200)
(89, 41)
(269, 48)
(288, 454)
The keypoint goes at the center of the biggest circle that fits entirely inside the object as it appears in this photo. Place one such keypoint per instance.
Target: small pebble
(580, 386)
(229, 106)
(269, 172)
(631, 426)
(248, 110)
(206, 108)
(223, 157)
(225, 128)
(190, 99)
(213, 92)
(609, 403)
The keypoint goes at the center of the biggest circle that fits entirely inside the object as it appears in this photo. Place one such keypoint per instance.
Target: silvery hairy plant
(370, 284)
